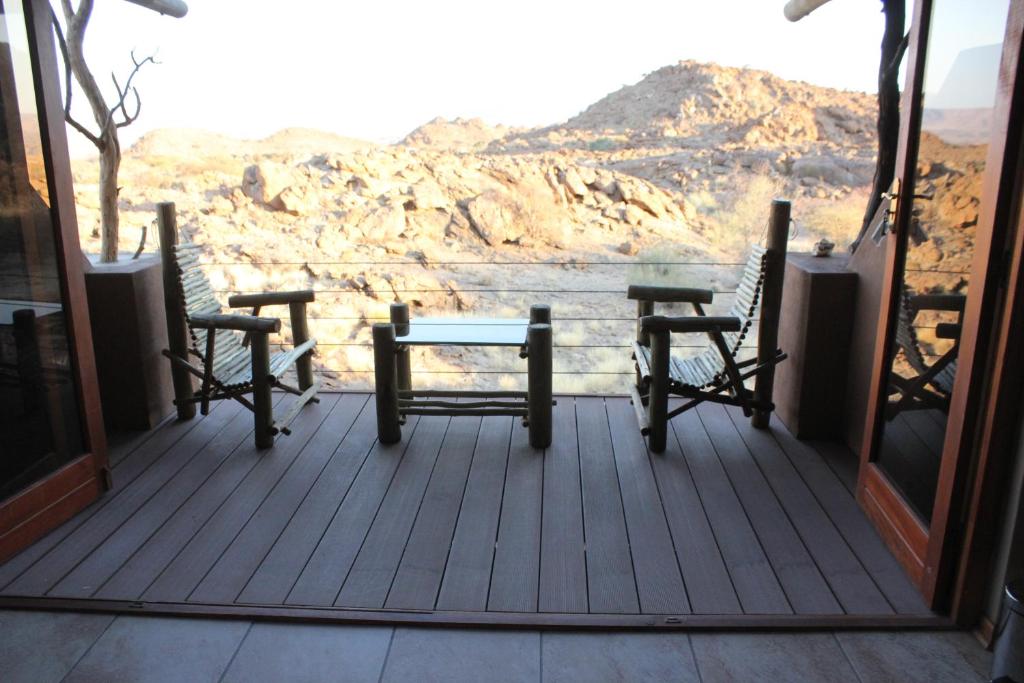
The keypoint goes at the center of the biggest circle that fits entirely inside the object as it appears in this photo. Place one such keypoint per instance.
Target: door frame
(43, 505)
(929, 553)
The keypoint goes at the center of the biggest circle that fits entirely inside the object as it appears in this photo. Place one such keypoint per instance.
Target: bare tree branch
(122, 93)
(68, 85)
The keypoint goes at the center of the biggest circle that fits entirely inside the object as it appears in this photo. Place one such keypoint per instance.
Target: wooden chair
(714, 374)
(230, 354)
(932, 386)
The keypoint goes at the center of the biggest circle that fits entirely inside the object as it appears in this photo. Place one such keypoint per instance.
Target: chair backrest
(906, 335)
(197, 297)
(747, 304)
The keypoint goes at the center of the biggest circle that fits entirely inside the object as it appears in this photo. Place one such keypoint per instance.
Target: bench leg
(263, 407)
(657, 400)
(538, 364)
(385, 375)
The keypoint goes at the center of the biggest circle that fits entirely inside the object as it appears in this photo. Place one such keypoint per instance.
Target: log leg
(263, 408)
(643, 338)
(538, 360)
(657, 401)
(300, 335)
(385, 375)
(177, 330)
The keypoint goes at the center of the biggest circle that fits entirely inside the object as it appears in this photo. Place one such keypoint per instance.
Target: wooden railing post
(177, 329)
(540, 313)
(300, 335)
(263, 408)
(403, 365)
(771, 306)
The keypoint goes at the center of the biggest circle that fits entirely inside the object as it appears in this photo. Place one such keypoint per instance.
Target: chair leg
(385, 374)
(300, 335)
(538, 364)
(657, 400)
(263, 408)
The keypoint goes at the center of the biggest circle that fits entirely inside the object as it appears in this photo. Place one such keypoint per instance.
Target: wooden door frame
(930, 553)
(55, 498)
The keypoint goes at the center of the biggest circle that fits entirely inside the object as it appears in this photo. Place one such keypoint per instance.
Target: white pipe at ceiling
(174, 8)
(796, 10)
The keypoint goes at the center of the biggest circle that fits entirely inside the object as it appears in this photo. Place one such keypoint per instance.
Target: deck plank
(848, 518)
(658, 578)
(515, 576)
(65, 556)
(611, 581)
(122, 474)
(838, 458)
(142, 548)
(232, 571)
(374, 567)
(239, 503)
(321, 577)
(806, 588)
(467, 574)
(850, 582)
(709, 586)
(756, 585)
(421, 569)
(278, 571)
(563, 560)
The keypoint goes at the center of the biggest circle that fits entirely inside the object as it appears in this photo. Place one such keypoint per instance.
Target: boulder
(496, 217)
(382, 223)
(264, 181)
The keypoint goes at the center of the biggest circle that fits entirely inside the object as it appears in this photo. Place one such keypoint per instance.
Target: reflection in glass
(961, 71)
(38, 410)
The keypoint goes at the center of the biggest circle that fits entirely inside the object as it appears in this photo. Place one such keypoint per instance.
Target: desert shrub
(601, 145)
(741, 222)
(838, 220)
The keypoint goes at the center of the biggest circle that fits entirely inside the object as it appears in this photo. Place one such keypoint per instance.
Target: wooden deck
(463, 522)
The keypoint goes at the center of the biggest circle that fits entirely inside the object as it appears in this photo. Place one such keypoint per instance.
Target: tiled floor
(38, 647)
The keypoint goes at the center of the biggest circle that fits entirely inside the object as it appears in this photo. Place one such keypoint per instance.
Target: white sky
(378, 69)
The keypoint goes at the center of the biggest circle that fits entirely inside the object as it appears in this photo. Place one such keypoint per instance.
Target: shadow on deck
(462, 522)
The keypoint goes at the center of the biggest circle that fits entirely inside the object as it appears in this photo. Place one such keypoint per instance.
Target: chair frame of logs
(715, 375)
(933, 384)
(195, 326)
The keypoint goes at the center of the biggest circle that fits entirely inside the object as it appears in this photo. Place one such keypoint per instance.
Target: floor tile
(928, 657)
(37, 647)
(307, 652)
(156, 649)
(777, 657)
(454, 655)
(613, 657)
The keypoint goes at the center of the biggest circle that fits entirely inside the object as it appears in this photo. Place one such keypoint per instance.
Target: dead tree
(894, 44)
(109, 119)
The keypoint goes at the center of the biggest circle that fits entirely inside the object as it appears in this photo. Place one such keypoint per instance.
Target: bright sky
(378, 69)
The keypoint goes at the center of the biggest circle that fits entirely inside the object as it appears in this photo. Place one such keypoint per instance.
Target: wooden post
(643, 308)
(771, 305)
(657, 400)
(403, 365)
(643, 338)
(177, 329)
(385, 375)
(540, 313)
(538, 365)
(300, 335)
(263, 408)
(28, 363)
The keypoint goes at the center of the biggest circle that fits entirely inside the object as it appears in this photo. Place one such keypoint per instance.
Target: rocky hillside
(679, 167)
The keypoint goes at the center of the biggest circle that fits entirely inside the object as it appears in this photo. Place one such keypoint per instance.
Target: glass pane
(38, 409)
(961, 70)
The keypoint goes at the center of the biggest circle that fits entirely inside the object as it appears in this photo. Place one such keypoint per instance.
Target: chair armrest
(670, 294)
(660, 323)
(938, 302)
(242, 323)
(271, 298)
(947, 331)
